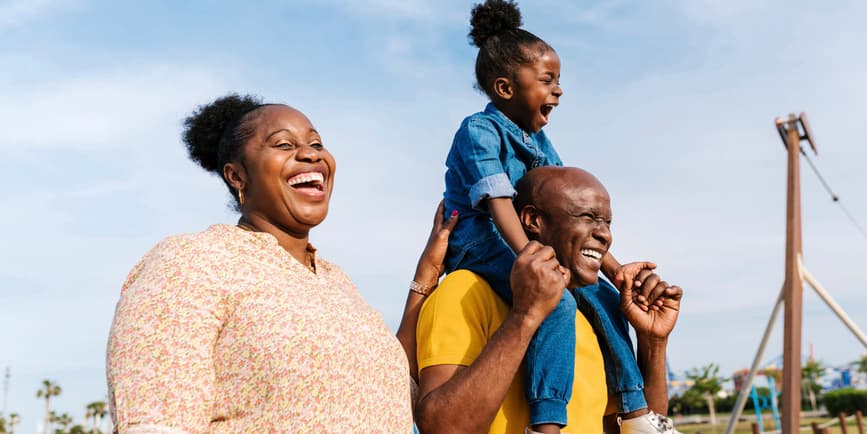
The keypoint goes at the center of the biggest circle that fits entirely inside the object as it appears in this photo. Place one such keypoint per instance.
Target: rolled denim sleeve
(483, 171)
(497, 185)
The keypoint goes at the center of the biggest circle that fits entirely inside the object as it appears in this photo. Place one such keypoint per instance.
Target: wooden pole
(842, 417)
(793, 287)
(755, 428)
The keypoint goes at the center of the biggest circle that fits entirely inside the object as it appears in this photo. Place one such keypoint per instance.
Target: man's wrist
(525, 319)
(651, 339)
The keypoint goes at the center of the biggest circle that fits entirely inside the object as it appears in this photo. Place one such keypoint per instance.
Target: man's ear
(235, 175)
(503, 88)
(531, 221)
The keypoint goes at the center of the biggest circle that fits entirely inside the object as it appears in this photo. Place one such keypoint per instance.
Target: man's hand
(658, 321)
(538, 281)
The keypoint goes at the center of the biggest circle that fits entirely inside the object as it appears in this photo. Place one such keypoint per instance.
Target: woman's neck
(294, 243)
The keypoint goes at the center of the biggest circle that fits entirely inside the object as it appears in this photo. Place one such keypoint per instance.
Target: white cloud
(419, 10)
(101, 110)
(15, 13)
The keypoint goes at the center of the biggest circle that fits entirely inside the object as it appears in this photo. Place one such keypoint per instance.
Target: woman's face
(290, 174)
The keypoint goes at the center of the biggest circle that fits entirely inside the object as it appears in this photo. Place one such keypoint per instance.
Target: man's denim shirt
(489, 154)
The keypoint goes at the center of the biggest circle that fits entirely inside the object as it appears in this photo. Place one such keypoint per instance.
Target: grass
(745, 427)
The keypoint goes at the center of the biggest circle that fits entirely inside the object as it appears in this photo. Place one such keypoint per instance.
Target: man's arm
(462, 399)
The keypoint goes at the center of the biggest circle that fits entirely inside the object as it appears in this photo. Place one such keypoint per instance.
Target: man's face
(576, 222)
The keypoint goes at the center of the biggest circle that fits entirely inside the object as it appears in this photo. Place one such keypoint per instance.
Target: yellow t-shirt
(459, 318)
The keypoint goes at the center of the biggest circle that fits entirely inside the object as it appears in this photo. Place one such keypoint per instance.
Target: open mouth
(310, 181)
(592, 254)
(546, 110)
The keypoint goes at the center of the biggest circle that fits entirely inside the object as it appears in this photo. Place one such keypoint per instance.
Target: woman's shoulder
(215, 239)
(194, 250)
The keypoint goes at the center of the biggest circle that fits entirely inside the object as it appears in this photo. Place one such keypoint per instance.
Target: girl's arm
(506, 218)
(427, 273)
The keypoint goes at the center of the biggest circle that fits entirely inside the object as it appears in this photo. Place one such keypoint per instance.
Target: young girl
(491, 151)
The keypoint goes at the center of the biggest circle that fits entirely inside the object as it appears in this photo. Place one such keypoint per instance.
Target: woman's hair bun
(205, 127)
(491, 18)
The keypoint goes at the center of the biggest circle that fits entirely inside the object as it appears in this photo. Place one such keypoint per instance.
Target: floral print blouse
(224, 331)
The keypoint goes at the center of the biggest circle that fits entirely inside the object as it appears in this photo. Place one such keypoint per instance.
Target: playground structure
(793, 131)
(762, 402)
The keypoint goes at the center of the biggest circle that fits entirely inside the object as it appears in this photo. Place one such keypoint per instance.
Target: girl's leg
(551, 353)
(601, 305)
(551, 364)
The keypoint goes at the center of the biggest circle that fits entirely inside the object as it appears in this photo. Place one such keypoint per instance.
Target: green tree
(48, 389)
(96, 410)
(810, 374)
(706, 383)
(14, 419)
(78, 429)
(63, 420)
(862, 364)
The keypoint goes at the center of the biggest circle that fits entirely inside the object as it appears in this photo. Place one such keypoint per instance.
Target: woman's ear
(531, 221)
(235, 175)
(503, 88)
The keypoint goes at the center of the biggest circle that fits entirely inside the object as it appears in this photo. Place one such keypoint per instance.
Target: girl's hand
(430, 265)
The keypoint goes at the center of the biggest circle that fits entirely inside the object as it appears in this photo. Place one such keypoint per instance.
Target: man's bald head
(549, 182)
(568, 209)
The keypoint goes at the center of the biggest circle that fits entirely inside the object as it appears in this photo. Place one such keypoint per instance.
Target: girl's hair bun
(209, 123)
(491, 18)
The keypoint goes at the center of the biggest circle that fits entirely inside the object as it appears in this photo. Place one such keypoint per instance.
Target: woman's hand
(430, 265)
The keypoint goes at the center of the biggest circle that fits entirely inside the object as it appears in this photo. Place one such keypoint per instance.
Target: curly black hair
(215, 133)
(503, 45)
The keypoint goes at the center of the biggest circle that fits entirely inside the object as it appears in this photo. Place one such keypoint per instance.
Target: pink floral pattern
(223, 331)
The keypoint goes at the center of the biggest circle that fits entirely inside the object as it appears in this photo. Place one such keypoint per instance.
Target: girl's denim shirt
(489, 154)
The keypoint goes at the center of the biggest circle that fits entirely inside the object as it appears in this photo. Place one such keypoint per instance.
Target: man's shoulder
(464, 288)
(457, 320)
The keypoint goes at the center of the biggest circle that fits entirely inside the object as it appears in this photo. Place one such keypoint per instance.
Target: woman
(243, 328)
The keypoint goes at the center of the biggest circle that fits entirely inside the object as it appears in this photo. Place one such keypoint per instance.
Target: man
(471, 344)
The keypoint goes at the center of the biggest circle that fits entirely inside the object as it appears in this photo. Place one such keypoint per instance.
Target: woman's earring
(240, 196)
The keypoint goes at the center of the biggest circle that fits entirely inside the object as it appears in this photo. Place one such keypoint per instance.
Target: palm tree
(48, 390)
(64, 420)
(810, 374)
(97, 410)
(89, 414)
(13, 421)
(707, 384)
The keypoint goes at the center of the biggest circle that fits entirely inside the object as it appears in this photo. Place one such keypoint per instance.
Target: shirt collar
(510, 124)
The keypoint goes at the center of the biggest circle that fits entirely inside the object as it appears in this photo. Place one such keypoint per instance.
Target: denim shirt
(489, 154)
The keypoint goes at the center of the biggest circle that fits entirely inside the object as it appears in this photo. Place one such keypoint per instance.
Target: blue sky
(671, 103)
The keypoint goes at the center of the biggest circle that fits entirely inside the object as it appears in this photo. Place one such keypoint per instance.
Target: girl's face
(535, 92)
(291, 174)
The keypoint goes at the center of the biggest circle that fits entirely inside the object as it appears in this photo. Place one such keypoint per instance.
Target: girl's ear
(503, 88)
(235, 175)
(531, 220)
